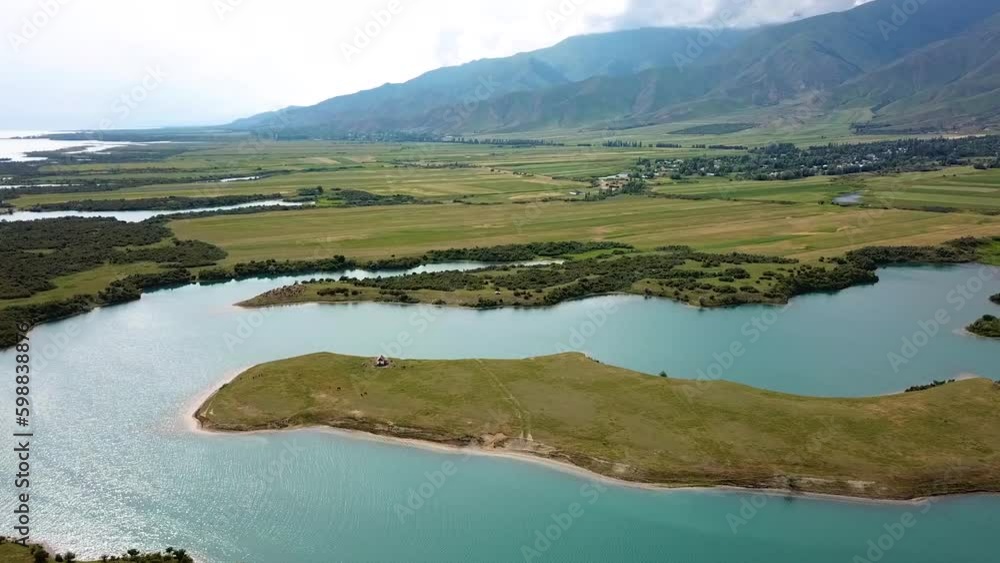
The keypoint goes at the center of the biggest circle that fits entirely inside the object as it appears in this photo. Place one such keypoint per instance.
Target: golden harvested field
(804, 231)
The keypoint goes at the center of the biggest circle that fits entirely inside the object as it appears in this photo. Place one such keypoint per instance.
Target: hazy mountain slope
(574, 59)
(819, 53)
(620, 98)
(935, 67)
(947, 83)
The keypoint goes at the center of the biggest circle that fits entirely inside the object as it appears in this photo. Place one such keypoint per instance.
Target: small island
(995, 298)
(633, 427)
(987, 326)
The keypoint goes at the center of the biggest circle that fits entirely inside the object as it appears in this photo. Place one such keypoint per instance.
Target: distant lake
(133, 216)
(17, 149)
(848, 199)
(118, 467)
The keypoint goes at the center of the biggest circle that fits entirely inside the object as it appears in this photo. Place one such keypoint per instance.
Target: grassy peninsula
(637, 427)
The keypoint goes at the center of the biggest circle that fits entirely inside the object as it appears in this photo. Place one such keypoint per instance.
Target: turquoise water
(116, 464)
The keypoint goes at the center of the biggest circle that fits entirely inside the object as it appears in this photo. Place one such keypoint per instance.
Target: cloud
(737, 13)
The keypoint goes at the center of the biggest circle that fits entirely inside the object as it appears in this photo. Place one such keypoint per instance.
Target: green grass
(88, 282)
(638, 427)
(803, 231)
(493, 294)
(778, 218)
(960, 188)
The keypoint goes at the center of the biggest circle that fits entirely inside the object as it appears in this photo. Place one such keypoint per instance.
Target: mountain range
(917, 65)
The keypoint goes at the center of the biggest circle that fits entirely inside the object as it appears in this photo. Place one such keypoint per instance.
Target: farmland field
(516, 194)
(804, 231)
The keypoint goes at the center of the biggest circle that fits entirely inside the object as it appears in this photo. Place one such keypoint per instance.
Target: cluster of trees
(987, 325)
(555, 283)
(35, 252)
(491, 254)
(715, 129)
(933, 384)
(361, 198)
(709, 260)
(130, 288)
(274, 268)
(178, 254)
(170, 203)
(507, 142)
(621, 143)
(38, 554)
(785, 161)
(521, 252)
(620, 271)
(721, 147)
(956, 251)
(39, 313)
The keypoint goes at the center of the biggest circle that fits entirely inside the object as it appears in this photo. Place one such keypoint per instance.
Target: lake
(117, 465)
(17, 149)
(133, 216)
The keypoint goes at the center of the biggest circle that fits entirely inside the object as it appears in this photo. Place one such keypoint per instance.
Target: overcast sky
(68, 63)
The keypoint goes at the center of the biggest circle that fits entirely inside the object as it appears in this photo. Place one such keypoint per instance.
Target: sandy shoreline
(192, 424)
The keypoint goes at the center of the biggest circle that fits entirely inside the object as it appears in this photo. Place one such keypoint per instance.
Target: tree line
(786, 161)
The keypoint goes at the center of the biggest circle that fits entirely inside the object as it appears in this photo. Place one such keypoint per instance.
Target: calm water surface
(116, 465)
(132, 216)
(17, 149)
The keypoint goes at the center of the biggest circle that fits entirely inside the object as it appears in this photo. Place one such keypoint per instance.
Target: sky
(115, 64)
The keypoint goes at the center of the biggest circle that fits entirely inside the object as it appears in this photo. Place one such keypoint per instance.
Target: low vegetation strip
(674, 272)
(15, 552)
(637, 427)
(172, 203)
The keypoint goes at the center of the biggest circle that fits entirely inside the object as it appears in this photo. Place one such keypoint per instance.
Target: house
(381, 362)
(613, 182)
